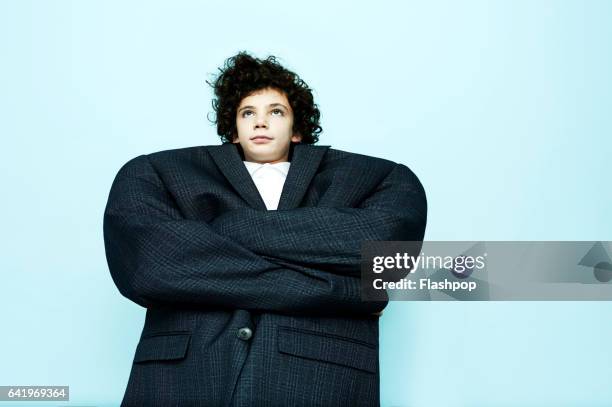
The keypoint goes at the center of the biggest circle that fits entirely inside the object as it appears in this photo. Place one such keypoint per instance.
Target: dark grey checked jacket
(249, 307)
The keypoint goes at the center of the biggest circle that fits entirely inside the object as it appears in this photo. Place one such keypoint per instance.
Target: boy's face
(264, 123)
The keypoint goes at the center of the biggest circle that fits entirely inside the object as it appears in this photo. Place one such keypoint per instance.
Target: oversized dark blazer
(250, 307)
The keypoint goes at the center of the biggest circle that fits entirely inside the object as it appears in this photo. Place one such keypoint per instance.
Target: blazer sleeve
(156, 257)
(329, 238)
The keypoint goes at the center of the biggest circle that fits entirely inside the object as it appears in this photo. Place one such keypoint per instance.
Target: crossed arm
(301, 261)
(327, 238)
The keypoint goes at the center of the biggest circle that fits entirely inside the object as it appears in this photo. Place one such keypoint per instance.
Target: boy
(247, 254)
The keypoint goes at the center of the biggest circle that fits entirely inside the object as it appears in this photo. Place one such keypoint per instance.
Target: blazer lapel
(228, 159)
(305, 161)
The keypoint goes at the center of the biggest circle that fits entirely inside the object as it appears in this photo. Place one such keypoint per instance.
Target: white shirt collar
(282, 167)
(269, 180)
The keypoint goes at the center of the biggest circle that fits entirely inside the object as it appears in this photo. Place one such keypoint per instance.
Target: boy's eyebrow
(270, 105)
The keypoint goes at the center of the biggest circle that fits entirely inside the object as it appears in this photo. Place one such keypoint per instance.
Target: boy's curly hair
(244, 74)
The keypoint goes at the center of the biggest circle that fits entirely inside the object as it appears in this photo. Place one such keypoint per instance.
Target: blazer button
(245, 334)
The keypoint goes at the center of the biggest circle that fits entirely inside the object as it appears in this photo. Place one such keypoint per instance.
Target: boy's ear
(296, 138)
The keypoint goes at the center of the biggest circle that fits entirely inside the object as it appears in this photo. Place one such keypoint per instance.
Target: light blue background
(502, 108)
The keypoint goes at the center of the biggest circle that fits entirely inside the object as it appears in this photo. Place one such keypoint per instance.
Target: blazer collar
(305, 160)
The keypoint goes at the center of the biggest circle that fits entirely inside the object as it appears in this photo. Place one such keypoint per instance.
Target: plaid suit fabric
(188, 237)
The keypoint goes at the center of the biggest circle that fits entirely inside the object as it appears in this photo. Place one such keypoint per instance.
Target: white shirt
(269, 179)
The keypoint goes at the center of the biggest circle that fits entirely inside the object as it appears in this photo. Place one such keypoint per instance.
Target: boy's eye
(277, 112)
(247, 113)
